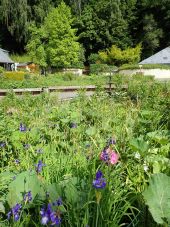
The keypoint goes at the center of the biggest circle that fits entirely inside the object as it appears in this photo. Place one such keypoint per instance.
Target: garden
(99, 161)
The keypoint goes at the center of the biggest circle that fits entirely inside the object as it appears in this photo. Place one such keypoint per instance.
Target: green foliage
(93, 58)
(101, 68)
(136, 117)
(1, 70)
(98, 31)
(57, 79)
(152, 35)
(21, 58)
(116, 56)
(14, 75)
(157, 197)
(25, 182)
(54, 43)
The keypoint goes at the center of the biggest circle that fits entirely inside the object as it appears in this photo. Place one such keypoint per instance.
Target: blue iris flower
(39, 166)
(22, 128)
(99, 181)
(28, 197)
(15, 211)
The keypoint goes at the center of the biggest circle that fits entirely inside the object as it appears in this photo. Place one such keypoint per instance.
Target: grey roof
(4, 58)
(162, 57)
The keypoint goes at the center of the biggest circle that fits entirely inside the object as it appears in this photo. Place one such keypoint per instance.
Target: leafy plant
(157, 197)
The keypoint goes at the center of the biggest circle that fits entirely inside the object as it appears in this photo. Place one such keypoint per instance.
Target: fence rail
(36, 91)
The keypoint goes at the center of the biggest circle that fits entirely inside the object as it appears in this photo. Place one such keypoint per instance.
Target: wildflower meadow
(99, 161)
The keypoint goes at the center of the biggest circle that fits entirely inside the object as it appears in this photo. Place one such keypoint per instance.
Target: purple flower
(104, 155)
(2, 144)
(45, 214)
(48, 215)
(99, 181)
(111, 141)
(15, 211)
(55, 219)
(22, 128)
(17, 161)
(28, 197)
(73, 125)
(58, 202)
(39, 166)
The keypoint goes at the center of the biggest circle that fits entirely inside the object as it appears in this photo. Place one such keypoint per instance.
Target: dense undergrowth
(32, 81)
(85, 162)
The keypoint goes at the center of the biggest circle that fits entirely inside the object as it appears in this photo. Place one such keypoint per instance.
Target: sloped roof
(4, 58)
(162, 57)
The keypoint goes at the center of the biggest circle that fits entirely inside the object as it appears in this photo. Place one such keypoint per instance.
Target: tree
(102, 25)
(151, 35)
(54, 44)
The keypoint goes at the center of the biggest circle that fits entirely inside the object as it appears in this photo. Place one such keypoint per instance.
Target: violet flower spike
(45, 214)
(55, 219)
(58, 202)
(2, 144)
(28, 197)
(22, 128)
(39, 166)
(17, 161)
(99, 182)
(15, 211)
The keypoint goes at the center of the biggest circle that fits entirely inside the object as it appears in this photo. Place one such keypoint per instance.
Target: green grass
(53, 80)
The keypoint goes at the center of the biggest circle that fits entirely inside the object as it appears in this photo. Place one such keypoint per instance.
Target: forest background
(99, 24)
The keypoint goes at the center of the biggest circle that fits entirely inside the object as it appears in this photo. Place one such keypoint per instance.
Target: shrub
(101, 68)
(116, 56)
(69, 76)
(93, 58)
(15, 75)
(1, 70)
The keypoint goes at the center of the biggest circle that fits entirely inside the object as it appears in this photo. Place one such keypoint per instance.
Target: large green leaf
(157, 197)
(138, 144)
(24, 182)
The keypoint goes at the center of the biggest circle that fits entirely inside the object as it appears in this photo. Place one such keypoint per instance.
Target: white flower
(137, 155)
(145, 167)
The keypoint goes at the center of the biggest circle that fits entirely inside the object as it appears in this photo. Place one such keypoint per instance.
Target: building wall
(157, 73)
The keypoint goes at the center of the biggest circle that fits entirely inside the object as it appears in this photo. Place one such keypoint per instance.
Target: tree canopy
(99, 23)
(55, 43)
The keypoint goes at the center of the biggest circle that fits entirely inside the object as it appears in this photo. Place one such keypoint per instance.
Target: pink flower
(114, 158)
(109, 156)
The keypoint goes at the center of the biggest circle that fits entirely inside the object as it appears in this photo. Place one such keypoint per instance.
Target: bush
(93, 58)
(15, 75)
(1, 70)
(69, 76)
(101, 68)
(116, 56)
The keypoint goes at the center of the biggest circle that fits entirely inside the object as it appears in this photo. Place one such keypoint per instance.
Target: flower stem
(97, 215)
